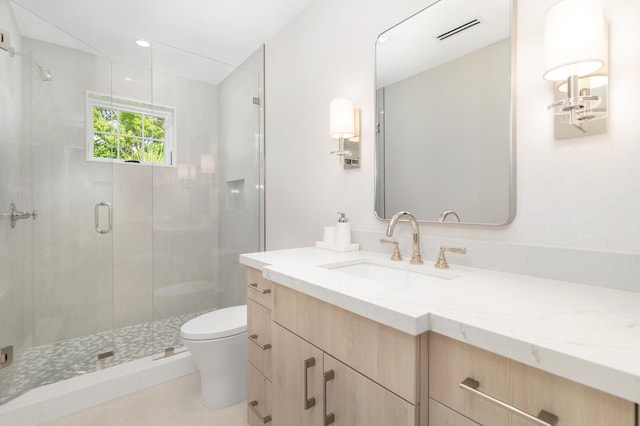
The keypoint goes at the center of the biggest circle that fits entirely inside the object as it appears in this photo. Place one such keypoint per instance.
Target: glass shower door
(15, 233)
(73, 246)
(59, 267)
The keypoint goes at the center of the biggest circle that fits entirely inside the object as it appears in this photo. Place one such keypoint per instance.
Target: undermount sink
(391, 274)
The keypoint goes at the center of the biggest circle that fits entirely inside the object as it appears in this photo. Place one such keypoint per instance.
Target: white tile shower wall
(575, 194)
(238, 172)
(185, 214)
(75, 268)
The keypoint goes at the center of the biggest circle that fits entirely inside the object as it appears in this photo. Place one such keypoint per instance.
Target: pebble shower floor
(45, 364)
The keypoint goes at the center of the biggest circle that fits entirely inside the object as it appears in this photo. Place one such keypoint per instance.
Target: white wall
(580, 193)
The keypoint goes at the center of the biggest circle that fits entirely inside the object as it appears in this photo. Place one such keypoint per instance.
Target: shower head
(45, 74)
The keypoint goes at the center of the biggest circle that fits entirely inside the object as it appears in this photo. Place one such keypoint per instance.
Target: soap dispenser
(343, 231)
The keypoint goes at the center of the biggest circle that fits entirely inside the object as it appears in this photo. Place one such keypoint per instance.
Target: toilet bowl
(217, 341)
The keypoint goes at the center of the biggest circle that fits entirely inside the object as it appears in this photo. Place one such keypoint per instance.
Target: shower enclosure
(104, 256)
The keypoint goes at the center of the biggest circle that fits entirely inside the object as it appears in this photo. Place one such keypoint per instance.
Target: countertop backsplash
(600, 268)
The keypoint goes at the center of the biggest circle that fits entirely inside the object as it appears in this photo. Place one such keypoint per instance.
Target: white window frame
(94, 99)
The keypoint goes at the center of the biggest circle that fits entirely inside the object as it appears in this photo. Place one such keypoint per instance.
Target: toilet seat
(216, 324)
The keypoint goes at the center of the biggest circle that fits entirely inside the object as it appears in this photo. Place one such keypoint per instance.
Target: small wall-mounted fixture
(575, 49)
(45, 74)
(344, 125)
(207, 163)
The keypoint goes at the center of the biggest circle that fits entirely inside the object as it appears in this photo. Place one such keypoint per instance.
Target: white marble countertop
(584, 333)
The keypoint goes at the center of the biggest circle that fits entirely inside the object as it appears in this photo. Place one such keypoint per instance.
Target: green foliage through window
(129, 135)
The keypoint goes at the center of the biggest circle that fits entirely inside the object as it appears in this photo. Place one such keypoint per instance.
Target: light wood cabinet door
(534, 390)
(440, 415)
(353, 399)
(297, 380)
(384, 354)
(260, 346)
(451, 362)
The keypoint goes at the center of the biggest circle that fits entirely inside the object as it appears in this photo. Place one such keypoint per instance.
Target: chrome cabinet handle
(97, 217)
(328, 418)
(254, 286)
(266, 419)
(544, 418)
(308, 402)
(254, 339)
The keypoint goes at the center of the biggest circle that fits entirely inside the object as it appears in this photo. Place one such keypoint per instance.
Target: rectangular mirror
(445, 114)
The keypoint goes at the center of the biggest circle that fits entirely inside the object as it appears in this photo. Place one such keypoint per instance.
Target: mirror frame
(379, 158)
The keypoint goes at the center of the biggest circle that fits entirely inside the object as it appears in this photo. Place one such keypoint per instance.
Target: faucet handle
(441, 263)
(396, 249)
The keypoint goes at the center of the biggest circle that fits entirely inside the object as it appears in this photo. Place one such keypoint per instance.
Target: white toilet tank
(217, 341)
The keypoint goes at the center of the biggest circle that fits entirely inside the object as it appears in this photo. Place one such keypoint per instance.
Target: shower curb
(59, 399)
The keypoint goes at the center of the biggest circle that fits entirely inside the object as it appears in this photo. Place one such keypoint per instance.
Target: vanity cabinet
(527, 389)
(313, 363)
(259, 348)
(331, 363)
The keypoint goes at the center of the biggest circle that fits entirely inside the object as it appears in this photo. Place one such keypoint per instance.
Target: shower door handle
(97, 216)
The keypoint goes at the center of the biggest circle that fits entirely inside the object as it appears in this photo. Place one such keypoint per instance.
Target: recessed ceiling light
(383, 39)
(143, 43)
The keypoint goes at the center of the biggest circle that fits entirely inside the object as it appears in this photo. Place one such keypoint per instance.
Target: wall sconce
(207, 163)
(186, 172)
(344, 125)
(575, 49)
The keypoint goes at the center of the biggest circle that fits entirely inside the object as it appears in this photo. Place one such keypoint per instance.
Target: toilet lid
(216, 324)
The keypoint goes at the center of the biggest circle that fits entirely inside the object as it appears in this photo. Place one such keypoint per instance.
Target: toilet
(217, 341)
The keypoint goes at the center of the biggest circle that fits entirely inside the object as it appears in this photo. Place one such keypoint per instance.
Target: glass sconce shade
(207, 163)
(574, 42)
(341, 123)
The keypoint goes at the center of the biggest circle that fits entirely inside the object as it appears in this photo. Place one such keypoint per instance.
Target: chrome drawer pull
(308, 402)
(254, 286)
(328, 418)
(253, 404)
(544, 418)
(254, 339)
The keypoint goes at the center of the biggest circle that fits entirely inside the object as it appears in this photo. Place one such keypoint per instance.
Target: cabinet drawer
(534, 390)
(258, 397)
(258, 288)
(386, 355)
(439, 415)
(451, 362)
(259, 334)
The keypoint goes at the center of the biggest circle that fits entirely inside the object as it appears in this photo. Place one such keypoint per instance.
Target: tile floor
(62, 360)
(172, 403)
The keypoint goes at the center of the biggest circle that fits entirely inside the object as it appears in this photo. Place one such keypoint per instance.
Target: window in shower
(129, 131)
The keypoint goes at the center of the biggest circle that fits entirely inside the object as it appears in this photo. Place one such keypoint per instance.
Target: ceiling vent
(459, 29)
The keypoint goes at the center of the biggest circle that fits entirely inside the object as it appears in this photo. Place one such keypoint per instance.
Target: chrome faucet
(416, 258)
(14, 215)
(446, 213)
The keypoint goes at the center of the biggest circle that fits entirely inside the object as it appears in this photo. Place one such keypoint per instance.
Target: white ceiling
(227, 31)
(412, 46)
